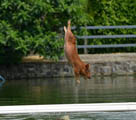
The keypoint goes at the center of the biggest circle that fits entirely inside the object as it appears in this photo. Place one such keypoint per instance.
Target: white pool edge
(97, 107)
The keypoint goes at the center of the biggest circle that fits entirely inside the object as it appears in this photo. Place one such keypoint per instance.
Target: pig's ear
(87, 66)
(65, 29)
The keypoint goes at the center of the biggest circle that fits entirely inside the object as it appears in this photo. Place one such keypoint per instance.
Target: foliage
(34, 25)
(111, 12)
(11, 44)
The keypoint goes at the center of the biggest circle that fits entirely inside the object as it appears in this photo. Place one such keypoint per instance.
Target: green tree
(34, 25)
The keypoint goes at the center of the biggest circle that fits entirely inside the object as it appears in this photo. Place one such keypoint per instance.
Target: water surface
(72, 116)
(65, 91)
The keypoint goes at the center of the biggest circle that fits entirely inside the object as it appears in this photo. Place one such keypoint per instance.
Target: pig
(79, 67)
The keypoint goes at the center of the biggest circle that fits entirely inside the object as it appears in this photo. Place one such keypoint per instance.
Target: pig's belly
(69, 52)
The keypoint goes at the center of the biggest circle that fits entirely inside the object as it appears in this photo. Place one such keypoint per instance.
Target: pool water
(72, 116)
(66, 91)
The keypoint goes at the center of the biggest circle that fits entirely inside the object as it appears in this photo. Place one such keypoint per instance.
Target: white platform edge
(100, 107)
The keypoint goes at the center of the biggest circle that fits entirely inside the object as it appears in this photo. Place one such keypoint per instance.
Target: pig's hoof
(78, 81)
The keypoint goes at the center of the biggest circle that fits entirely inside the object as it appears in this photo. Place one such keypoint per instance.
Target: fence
(86, 46)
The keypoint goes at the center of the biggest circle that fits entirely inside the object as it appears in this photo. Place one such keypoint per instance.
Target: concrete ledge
(98, 107)
(101, 64)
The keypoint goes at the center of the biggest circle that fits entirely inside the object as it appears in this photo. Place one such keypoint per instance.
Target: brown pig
(79, 67)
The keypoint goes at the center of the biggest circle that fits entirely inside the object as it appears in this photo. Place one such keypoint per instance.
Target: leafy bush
(111, 12)
(34, 25)
(11, 44)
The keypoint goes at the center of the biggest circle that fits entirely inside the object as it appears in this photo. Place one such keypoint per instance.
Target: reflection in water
(65, 90)
(65, 117)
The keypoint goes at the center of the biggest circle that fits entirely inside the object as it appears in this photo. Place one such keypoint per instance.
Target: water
(65, 91)
(72, 116)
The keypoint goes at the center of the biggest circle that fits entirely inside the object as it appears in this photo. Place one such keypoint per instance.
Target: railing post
(85, 49)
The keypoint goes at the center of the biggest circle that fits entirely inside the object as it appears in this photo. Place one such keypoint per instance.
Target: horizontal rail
(107, 27)
(107, 46)
(106, 36)
(100, 107)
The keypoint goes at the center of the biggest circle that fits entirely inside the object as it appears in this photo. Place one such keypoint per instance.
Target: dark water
(64, 91)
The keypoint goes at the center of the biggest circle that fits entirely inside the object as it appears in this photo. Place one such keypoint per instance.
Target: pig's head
(87, 73)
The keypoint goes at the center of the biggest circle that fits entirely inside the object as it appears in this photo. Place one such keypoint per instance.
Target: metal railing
(86, 46)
